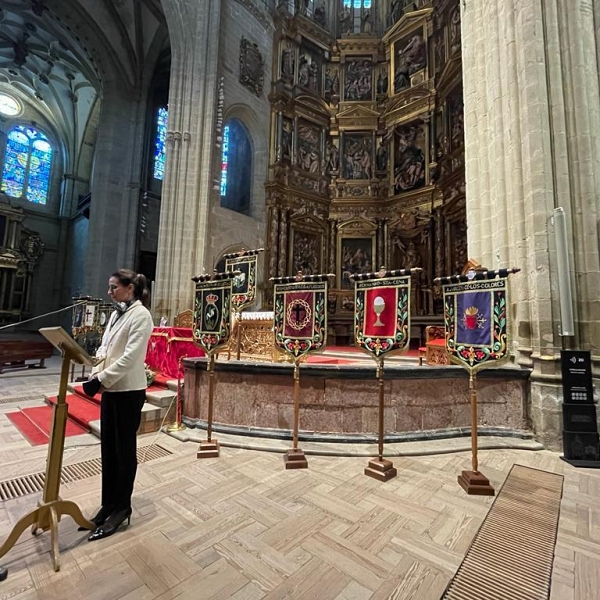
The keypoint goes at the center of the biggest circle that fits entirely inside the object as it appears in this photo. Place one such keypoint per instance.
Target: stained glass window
(27, 162)
(159, 144)
(225, 160)
(236, 167)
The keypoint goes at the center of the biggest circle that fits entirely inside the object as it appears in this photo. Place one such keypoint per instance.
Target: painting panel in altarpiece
(410, 150)
(355, 256)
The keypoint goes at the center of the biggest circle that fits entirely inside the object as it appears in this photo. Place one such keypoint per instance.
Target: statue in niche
(409, 159)
(440, 54)
(455, 32)
(345, 19)
(457, 129)
(367, 25)
(332, 85)
(395, 12)
(286, 139)
(357, 158)
(287, 61)
(382, 83)
(308, 71)
(358, 81)
(320, 17)
(333, 157)
(301, 7)
(381, 156)
(411, 257)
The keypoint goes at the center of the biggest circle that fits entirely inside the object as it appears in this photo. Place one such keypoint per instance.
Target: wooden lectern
(51, 508)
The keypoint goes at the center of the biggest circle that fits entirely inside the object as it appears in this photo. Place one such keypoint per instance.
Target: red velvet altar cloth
(166, 346)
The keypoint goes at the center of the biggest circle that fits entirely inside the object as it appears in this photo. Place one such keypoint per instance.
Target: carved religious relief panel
(410, 151)
(358, 156)
(287, 61)
(355, 255)
(306, 251)
(309, 147)
(287, 132)
(251, 66)
(358, 80)
(410, 60)
(309, 68)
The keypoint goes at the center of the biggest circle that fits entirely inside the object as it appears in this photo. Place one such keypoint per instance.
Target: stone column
(115, 188)
(187, 186)
(532, 115)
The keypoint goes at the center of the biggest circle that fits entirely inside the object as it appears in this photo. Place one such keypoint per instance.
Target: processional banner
(382, 311)
(212, 305)
(476, 320)
(244, 284)
(300, 316)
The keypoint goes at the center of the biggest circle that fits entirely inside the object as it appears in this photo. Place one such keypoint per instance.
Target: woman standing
(122, 379)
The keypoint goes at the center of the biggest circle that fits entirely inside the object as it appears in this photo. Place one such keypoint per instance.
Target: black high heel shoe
(99, 518)
(111, 525)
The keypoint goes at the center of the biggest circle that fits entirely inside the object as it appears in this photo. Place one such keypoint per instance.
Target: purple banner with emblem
(476, 321)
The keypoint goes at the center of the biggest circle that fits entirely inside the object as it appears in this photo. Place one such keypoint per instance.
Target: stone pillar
(532, 115)
(115, 188)
(183, 238)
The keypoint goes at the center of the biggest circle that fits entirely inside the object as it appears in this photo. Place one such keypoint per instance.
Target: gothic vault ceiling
(57, 55)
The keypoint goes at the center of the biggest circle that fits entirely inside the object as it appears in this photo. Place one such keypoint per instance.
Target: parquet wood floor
(241, 527)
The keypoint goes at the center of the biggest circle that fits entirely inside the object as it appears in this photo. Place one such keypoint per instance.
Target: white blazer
(123, 349)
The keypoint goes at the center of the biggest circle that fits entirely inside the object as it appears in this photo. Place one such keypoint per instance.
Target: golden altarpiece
(367, 152)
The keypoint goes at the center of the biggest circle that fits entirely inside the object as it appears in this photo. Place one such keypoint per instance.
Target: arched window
(236, 167)
(27, 162)
(159, 143)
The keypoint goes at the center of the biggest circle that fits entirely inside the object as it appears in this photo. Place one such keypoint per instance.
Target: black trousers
(120, 416)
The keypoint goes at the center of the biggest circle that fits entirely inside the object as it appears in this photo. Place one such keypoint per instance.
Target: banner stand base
(475, 483)
(295, 459)
(382, 470)
(208, 449)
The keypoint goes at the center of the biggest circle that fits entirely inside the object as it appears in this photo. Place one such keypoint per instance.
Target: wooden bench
(15, 350)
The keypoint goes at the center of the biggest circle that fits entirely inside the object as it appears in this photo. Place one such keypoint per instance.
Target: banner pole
(294, 458)
(211, 390)
(296, 402)
(210, 448)
(474, 482)
(380, 377)
(380, 468)
(473, 423)
(178, 425)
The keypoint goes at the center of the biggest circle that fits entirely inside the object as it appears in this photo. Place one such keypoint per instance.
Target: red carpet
(34, 424)
(81, 410)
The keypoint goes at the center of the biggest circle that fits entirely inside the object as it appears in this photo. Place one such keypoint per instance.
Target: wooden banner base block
(295, 459)
(208, 450)
(475, 484)
(383, 469)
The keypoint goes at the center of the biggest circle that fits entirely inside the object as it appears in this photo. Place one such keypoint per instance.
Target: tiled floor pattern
(242, 527)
